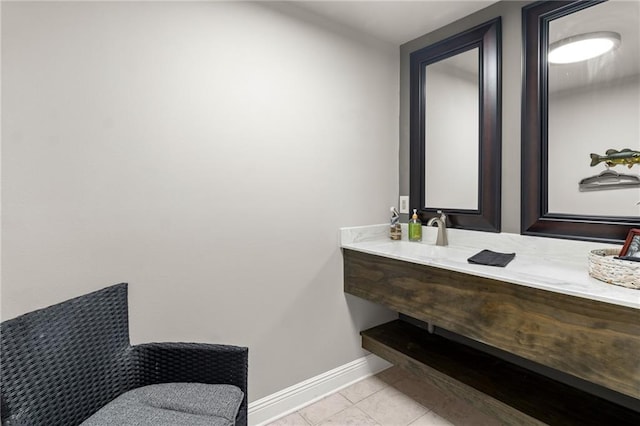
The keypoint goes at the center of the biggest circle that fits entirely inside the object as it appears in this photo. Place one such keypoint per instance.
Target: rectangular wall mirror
(455, 140)
(581, 127)
(452, 91)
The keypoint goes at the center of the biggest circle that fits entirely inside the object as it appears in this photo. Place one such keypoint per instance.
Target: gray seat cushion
(171, 404)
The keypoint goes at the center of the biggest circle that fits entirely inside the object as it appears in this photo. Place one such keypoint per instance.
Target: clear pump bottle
(415, 227)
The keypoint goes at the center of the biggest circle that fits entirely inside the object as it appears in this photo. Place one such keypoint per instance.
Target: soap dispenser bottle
(395, 230)
(415, 227)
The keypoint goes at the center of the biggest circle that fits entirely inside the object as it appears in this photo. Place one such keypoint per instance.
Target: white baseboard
(279, 404)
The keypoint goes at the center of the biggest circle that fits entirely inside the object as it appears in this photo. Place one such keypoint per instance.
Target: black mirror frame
(535, 217)
(487, 37)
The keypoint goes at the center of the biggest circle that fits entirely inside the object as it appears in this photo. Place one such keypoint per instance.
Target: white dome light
(582, 47)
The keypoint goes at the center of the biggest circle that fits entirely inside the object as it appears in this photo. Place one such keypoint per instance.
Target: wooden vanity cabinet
(591, 340)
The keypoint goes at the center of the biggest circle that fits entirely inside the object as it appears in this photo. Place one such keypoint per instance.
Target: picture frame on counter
(631, 246)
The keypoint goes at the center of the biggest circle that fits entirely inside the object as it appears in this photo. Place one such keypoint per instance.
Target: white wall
(206, 153)
(451, 151)
(592, 120)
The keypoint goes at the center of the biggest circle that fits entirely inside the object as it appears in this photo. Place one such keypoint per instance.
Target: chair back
(60, 364)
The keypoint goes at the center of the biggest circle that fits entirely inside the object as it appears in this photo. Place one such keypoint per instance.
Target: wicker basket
(604, 267)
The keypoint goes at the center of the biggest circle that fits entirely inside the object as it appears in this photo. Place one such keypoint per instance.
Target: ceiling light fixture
(582, 47)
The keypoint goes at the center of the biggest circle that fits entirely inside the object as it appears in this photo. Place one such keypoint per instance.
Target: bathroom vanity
(502, 330)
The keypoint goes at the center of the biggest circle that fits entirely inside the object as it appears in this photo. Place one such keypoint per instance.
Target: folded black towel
(491, 258)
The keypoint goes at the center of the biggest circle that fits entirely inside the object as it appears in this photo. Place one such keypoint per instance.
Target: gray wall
(511, 12)
(206, 153)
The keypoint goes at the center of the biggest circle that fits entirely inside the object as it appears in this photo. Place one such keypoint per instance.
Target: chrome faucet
(441, 222)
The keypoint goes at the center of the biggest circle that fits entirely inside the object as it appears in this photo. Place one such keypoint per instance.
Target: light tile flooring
(390, 398)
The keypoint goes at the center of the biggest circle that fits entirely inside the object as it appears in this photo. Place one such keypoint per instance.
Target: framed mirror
(580, 127)
(455, 129)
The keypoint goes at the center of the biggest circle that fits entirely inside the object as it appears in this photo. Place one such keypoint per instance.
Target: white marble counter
(551, 264)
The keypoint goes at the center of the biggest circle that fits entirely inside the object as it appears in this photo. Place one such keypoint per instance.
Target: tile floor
(390, 398)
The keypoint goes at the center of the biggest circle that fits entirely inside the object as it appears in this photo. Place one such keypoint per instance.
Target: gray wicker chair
(62, 364)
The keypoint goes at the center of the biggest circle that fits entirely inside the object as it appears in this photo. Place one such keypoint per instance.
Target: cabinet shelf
(509, 392)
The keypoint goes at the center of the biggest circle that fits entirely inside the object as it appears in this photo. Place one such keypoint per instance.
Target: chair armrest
(192, 362)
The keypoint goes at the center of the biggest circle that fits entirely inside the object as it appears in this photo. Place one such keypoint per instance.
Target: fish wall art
(614, 157)
(610, 179)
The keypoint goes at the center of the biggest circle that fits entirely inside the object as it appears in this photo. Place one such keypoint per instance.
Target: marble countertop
(551, 264)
